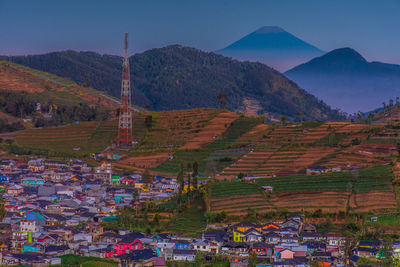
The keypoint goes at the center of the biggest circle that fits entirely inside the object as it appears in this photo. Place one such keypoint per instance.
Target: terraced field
(172, 129)
(364, 190)
(281, 150)
(214, 156)
(211, 131)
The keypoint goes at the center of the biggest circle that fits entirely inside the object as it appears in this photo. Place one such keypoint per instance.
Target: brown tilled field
(140, 163)
(374, 201)
(212, 130)
(310, 201)
(311, 156)
(363, 156)
(172, 129)
(18, 79)
(238, 204)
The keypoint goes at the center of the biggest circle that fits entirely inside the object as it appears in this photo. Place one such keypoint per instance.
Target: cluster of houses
(57, 208)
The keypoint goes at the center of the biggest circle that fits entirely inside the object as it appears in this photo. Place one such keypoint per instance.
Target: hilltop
(176, 77)
(30, 97)
(344, 79)
(272, 46)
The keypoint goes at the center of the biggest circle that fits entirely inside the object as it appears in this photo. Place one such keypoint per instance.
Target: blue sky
(38, 26)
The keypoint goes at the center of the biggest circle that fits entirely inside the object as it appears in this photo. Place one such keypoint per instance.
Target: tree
(146, 177)
(199, 259)
(195, 173)
(252, 259)
(181, 183)
(251, 214)
(387, 253)
(149, 121)
(156, 219)
(222, 99)
(390, 103)
(87, 81)
(2, 209)
(283, 120)
(370, 117)
(188, 179)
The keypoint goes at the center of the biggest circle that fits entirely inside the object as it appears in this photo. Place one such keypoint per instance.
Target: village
(54, 208)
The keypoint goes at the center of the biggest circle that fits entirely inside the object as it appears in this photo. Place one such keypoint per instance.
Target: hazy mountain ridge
(344, 79)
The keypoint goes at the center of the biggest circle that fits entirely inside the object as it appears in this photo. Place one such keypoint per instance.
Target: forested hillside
(176, 77)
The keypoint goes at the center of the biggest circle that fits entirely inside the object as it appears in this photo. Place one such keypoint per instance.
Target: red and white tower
(125, 115)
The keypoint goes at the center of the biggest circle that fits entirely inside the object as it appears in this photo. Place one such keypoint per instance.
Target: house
(57, 250)
(269, 227)
(103, 172)
(32, 181)
(165, 250)
(369, 244)
(268, 189)
(262, 249)
(129, 242)
(32, 247)
(239, 236)
(285, 254)
(137, 257)
(366, 252)
(315, 246)
(155, 262)
(29, 226)
(252, 235)
(272, 238)
(307, 236)
(245, 226)
(14, 190)
(216, 235)
(184, 254)
(309, 228)
(181, 244)
(335, 240)
(3, 179)
(291, 224)
(396, 249)
(316, 170)
(234, 248)
(201, 245)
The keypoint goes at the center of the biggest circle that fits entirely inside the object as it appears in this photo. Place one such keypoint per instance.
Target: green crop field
(191, 221)
(75, 260)
(375, 178)
(225, 188)
(90, 137)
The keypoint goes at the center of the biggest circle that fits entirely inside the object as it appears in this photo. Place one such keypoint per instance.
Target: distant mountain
(344, 79)
(272, 46)
(176, 77)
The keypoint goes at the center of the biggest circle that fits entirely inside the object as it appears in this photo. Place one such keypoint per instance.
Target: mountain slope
(17, 78)
(272, 46)
(176, 77)
(344, 79)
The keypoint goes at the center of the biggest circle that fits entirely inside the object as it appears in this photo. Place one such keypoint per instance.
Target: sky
(372, 27)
